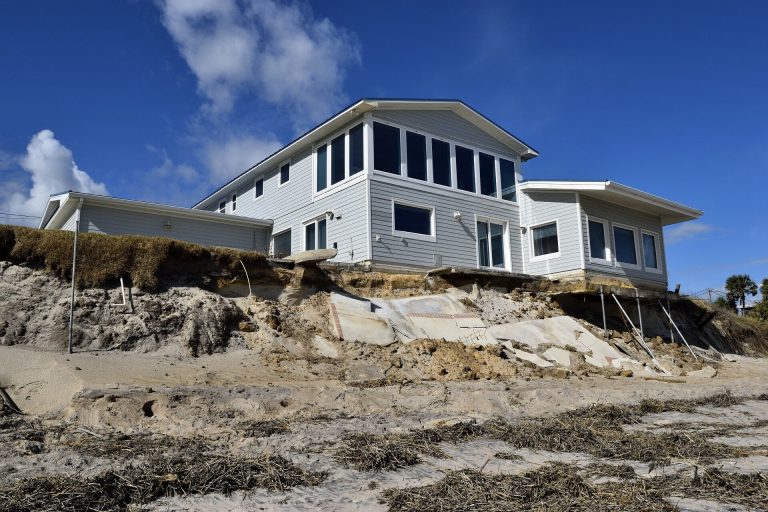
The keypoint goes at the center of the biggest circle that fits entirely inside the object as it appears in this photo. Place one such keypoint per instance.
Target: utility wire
(9, 214)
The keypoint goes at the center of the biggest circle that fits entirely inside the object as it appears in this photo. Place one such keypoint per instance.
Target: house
(414, 184)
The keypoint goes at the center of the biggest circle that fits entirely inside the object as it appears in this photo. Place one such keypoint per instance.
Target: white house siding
(69, 225)
(292, 204)
(542, 208)
(444, 124)
(456, 243)
(118, 221)
(612, 212)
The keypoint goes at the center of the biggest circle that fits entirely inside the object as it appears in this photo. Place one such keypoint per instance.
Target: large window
(626, 246)
(465, 169)
(651, 252)
(356, 158)
(599, 248)
(315, 235)
(337, 160)
(258, 188)
(412, 221)
(490, 244)
(441, 162)
(322, 168)
(285, 173)
(416, 155)
(507, 172)
(281, 244)
(544, 240)
(386, 148)
(487, 175)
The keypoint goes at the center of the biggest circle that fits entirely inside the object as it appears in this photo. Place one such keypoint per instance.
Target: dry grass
(264, 428)
(103, 259)
(156, 478)
(369, 452)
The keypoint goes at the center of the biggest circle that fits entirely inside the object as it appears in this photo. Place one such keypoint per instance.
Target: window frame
(607, 233)
(507, 243)
(544, 257)
(314, 220)
(452, 143)
(257, 180)
(280, 182)
(657, 247)
(233, 202)
(638, 253)
(407, 234)
(348, 178)
(278, 233)
(222, 206)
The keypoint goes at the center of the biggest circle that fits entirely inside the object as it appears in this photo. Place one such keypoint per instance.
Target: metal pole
(602, 304)
(639, 313)
(634, 329)
(671, 330)
(74, 267)
(678, 330)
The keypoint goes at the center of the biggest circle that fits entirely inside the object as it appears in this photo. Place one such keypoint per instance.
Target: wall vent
(438, 259)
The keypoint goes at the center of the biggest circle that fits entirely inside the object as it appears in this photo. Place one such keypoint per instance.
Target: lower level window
(626, 248)
(650, 252)
(545, 240)
(490, 244)
(281, 244)
(315, 235)
(412, 220)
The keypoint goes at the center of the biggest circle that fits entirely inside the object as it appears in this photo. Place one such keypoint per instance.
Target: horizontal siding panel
(114, 221)
(544, 207)
(456, 241)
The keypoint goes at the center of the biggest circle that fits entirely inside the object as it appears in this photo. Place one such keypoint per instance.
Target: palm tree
(739, 286)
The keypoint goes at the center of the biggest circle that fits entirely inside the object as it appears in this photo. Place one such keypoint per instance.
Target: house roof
(337, 121)
(61, 206)
(670, 212)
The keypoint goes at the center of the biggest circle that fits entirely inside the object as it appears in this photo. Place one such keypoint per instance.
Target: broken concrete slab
(558, 355)
(324, 347)
(353, 320)
(705, 373)
(527, 356)
(312, 257)
(561, 331)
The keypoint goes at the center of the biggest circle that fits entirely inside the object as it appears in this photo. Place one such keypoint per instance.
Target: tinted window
(234, 202)
(625, 245)
(465, 169)
(507, 171)
(356, 149)
(259, 187)
(483, 247)
(386, 148)
(285, 173)
(441, 162)
(597, 240)
(321, 234)
(416, 159)
(545, 240)
(337, 160)
(497, 245)
(322, 167)
(309, 237)
(649, 251)
(413, 219)
(282, 244)
(487, 175)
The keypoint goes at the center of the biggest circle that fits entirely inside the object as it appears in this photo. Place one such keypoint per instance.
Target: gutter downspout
(74, 267)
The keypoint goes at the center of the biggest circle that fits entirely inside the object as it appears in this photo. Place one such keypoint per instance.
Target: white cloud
(230, 157)
(7, 160)
(170, 170)
(687, 231)
(52, 169)
(278, 51)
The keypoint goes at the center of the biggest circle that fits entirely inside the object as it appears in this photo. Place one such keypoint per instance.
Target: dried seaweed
(370, 452)
(156, 478)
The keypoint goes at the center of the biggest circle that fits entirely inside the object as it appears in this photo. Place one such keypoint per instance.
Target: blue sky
(159, 101)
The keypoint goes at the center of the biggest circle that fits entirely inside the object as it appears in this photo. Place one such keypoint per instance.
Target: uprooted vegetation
(148, 262)
(564, 487)
(155, 478)
(596, 430)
